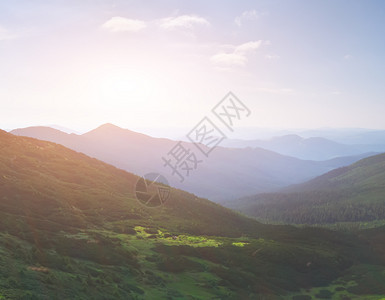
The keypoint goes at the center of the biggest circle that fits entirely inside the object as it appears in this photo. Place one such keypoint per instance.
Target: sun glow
(127, 85)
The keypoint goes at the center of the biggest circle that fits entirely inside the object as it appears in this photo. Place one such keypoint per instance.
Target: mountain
(70, 228)
(348, 136)
(350, 194)
(64, 129)
(61, 181)
(313, 148)
(226, 174)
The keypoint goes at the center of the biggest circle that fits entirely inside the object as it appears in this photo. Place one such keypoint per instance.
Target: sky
(148, 65)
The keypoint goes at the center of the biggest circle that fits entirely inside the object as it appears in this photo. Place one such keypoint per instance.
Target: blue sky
(151, 64)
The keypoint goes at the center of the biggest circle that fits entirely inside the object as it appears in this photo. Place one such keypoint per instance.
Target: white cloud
(183, 22)
(120, 24)
(272, 56)
(248, 15)
(229, 59)
(248, 47)
(238, 56)
(278, 91)
(5, 34)
(287, 90)
(348, 56)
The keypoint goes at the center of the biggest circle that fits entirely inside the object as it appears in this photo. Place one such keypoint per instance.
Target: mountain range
(227, 173)
(313, 148)
(355, 193)
(71, 228)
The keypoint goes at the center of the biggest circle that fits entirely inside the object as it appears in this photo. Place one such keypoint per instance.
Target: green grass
(342, 287)
(239, 244)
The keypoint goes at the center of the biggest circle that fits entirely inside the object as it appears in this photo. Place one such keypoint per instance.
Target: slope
(350, 194)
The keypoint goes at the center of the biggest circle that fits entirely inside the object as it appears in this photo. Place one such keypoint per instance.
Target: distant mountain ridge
(355, 193)
(226, 174)
(313, 148)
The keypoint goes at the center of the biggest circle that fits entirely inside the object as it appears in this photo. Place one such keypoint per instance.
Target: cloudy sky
(149, 64)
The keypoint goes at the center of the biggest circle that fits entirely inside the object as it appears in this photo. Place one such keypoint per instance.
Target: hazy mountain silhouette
(313, 148)
(348, 136)
(226, 174)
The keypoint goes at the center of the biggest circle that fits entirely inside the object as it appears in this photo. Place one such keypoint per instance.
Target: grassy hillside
(351, 194)
(71, 229)
(51, 181)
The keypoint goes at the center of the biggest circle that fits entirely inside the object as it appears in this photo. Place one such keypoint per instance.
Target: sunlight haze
(80, 65)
